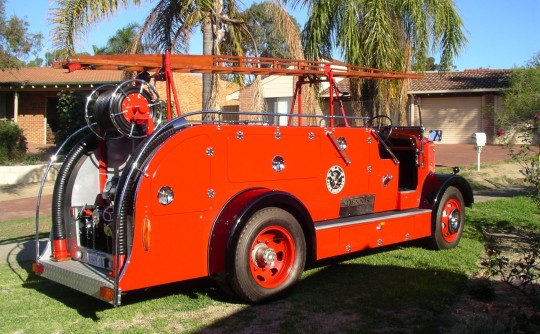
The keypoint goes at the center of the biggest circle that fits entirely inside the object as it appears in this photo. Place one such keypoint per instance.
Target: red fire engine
(146, 198)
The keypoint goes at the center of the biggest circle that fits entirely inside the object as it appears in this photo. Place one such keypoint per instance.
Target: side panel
(208, 165)
(309, 160)
(250, 159)
(170, 241)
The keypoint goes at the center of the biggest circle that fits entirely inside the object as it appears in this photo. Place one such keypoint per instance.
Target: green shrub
(70, 115)
(12, 142)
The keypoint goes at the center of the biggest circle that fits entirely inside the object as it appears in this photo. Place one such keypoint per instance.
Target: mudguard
(436, 184)
(237, 212)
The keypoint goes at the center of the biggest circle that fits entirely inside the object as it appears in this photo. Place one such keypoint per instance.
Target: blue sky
(501, 33)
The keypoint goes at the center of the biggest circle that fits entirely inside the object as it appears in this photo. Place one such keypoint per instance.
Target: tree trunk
(208, 49)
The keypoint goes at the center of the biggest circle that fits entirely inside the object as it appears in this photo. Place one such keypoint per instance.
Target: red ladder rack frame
(307, 71)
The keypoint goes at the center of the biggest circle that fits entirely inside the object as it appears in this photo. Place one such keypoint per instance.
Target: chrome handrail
(44, 179)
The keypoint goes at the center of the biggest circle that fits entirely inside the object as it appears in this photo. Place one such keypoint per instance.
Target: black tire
(448, 219)
(269, 256)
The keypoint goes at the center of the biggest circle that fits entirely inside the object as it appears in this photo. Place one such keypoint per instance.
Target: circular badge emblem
(335, 179)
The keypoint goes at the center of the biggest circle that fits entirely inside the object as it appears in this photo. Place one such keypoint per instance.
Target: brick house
(29, 96)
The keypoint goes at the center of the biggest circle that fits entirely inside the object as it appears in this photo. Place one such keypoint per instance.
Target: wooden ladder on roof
(229, 65)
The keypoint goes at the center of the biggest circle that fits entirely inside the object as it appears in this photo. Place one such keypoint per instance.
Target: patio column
(412, 109)
(15, 107)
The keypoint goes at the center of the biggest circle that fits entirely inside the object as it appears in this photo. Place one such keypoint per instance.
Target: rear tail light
(37, 268)
(106, 293)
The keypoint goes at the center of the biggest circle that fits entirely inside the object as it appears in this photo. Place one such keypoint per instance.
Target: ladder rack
(230, 65)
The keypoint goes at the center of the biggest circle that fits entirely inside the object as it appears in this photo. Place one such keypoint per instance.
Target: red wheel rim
(273, 254)
(451, 220)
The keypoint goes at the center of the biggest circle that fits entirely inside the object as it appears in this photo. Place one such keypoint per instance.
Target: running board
(369, 218)
(352, 234)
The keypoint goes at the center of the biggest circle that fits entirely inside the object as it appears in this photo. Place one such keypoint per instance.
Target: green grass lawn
(400, 289)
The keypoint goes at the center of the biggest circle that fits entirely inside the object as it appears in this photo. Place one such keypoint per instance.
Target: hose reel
(132, 109)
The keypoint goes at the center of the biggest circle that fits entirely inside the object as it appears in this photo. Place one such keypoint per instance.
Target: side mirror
(435, 135)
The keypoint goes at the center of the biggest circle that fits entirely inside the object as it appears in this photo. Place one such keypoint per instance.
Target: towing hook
(455, 170)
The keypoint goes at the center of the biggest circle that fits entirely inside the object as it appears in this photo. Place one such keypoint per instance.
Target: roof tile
(51, 76)
(461, 81)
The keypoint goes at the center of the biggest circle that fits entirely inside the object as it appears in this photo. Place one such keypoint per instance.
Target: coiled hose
(84, 146)
(109, 105)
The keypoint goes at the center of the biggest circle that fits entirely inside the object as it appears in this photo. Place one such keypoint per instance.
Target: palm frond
(70, 18)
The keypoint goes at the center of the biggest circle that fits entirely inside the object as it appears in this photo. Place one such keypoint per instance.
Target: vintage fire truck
(147, 198)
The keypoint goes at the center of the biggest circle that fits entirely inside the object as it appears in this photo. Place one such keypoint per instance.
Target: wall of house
(32, 113)
(278, 86)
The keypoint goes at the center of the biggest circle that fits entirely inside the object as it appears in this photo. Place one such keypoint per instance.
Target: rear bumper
(78, 276)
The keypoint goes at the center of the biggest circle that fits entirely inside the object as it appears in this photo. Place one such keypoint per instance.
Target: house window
(53, 121)
(6, 106)
(279, 105)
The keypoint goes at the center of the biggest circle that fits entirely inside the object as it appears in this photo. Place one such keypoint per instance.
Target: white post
(478, 151)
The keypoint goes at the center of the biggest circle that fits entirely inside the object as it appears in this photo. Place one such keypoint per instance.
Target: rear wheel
(449, 219)
(269, 257)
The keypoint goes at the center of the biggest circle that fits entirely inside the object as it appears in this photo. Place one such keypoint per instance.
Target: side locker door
(383, 178)
(354, 159)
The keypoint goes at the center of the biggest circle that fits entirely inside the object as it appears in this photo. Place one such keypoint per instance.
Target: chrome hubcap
(454, 221)
(263, 255)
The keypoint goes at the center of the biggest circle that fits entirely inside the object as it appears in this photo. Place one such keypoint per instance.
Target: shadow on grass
(332, 296)
(354, 298)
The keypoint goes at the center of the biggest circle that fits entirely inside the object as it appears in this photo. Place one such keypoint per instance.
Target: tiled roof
(51, 76)
(189, 86)
(448, 82)
(468, 80)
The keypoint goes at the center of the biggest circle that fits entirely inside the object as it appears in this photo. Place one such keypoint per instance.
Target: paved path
(463, 155)
(19, 201)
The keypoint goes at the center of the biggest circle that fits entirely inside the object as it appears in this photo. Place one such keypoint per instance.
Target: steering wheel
(382, 125)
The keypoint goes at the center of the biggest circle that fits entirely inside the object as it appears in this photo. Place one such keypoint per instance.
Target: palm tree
(386, 34)
(168, 27)
(122, 40)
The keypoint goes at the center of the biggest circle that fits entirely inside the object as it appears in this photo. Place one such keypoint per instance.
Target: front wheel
(269, 256)
(449, 218)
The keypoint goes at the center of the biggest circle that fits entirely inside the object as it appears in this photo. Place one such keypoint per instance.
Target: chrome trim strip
(370, 218)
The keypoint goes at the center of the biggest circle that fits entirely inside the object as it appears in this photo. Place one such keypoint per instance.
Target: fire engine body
(139, 204)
